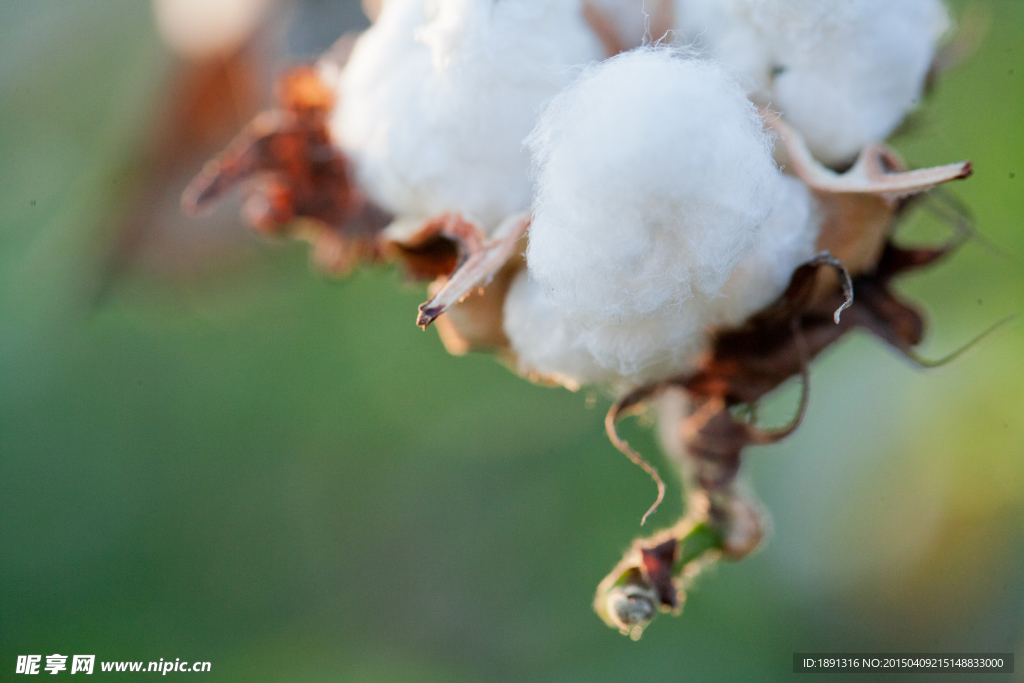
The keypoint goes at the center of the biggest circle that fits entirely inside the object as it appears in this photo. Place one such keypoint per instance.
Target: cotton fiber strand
(843, 72)
(438, 95)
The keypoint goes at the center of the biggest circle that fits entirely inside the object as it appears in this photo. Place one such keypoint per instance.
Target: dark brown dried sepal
(293, 171)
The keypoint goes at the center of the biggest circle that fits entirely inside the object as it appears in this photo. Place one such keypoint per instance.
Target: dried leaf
(606, 29)
(372, 8)
(207, 100)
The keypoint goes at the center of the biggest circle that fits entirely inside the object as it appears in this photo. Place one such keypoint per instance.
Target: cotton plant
(600, 201)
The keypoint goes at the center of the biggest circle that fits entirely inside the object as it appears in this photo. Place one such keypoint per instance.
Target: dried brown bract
(295, 172)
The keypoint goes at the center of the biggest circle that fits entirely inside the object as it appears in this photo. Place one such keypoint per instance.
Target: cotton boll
(659, 217)
(856, 85)
(843, 72)
(438, 95)
(653, 172)
(670, 340)
(659, 213)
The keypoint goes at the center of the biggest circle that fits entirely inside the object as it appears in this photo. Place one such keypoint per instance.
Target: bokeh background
(209, 452)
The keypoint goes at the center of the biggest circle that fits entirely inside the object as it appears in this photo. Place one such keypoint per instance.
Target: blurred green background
(211, 453)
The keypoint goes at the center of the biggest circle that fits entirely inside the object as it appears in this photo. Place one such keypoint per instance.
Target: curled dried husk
(470, 274)
(481, 258)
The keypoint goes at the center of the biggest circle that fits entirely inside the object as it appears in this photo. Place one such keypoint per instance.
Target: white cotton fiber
(669, 341)
(546, 341)
(785, 240)
(659, 216)
(576, 349)
(438, 95)
(653, 172)
(843, 72)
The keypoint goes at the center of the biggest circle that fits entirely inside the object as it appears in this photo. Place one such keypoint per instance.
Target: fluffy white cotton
(438, 95)
(659, 216)
(544, 338)
(577, 349)
(843, 72)
(653, 172)
(785, 240)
